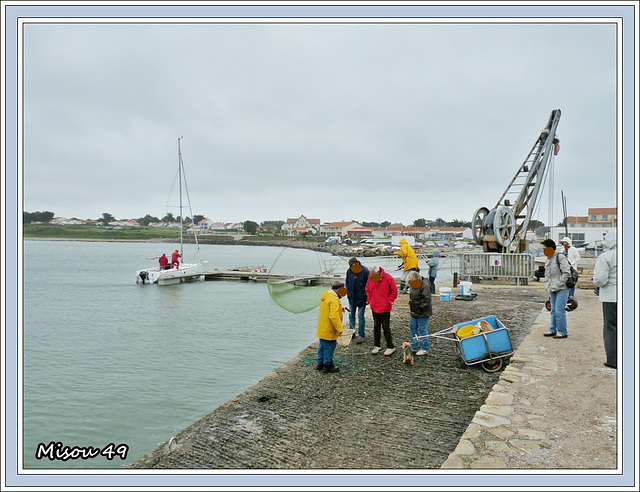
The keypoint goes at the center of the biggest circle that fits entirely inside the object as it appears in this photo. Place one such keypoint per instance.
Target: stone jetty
(378, 413)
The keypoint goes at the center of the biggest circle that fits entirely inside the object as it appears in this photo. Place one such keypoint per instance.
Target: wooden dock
(282, 278)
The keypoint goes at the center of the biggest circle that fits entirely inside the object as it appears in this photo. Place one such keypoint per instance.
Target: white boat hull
(186, 272)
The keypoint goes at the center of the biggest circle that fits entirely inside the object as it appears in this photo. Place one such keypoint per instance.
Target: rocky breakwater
(296, 242)
(376, 413)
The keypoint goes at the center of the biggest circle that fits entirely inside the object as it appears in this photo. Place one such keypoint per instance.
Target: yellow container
(465, 331)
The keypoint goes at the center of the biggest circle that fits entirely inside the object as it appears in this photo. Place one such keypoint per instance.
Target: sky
(335, 121)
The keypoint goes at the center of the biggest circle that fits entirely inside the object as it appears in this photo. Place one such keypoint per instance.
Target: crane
(502, 228)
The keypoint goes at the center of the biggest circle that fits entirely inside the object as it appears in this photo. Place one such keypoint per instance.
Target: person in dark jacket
(421, 309)
(356, 282)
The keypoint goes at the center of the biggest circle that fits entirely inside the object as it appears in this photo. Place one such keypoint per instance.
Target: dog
(407, 353)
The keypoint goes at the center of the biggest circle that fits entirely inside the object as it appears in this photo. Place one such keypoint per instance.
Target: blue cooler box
(475, 347)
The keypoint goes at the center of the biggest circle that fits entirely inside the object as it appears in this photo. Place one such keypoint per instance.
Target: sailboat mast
(180, 187)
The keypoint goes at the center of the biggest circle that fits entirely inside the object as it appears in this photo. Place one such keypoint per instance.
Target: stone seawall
(376, 413)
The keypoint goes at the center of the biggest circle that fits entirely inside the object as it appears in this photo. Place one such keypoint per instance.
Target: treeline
(28, 217)
(251, 226)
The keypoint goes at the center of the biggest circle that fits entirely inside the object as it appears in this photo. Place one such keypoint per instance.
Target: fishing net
(297, 279)
(298, 276)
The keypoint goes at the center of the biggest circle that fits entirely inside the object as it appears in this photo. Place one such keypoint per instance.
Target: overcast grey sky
(334, 121)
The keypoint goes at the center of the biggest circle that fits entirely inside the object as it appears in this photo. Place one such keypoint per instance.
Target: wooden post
(455, 279)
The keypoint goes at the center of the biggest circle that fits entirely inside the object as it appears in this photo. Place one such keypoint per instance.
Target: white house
(301, 224)
(206, 224)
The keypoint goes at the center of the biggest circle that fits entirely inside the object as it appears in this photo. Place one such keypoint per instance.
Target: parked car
(333, 240)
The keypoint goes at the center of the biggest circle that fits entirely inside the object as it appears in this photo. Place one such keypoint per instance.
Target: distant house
(603, 217)
(583, 230)
(267, 228)
(339, 228)
(576, 221)
(158, 225)
(65, 221)
(125, 223)
(598, 217)
(298, 231)
(206, 224)
(360, 232)
(294, 227)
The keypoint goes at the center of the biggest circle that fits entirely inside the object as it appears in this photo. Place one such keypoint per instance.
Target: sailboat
(185, 271)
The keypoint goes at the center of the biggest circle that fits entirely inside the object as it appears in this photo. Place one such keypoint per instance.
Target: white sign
(496, 261)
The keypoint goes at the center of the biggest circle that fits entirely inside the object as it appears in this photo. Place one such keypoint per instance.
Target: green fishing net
(298, 277)
(294, 298)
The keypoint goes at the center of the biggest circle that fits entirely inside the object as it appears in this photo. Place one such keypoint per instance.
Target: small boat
(185, 271)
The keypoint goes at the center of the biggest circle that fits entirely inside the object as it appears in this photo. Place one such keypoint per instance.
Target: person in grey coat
(433, 269)
(557, 271)
(605, 273)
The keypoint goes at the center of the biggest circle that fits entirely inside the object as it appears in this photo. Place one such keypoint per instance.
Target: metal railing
(517, 266)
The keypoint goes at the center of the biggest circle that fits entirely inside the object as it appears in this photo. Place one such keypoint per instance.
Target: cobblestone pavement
(554, 406)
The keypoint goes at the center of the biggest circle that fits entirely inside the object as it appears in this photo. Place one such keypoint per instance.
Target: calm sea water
(106, 360)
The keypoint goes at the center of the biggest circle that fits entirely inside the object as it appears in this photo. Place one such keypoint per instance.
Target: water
(107, 360)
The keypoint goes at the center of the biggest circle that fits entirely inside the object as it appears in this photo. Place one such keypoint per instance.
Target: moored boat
(182, 272)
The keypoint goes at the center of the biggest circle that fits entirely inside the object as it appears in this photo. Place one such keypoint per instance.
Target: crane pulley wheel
(478, 224)
(504, 225)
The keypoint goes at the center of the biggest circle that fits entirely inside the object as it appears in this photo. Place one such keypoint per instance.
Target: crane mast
(498, 229)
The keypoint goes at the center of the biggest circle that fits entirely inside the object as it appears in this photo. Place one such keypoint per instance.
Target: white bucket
(465, 288)
(445, 293)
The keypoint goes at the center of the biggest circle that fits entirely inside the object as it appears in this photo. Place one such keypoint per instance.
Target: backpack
(573, 275)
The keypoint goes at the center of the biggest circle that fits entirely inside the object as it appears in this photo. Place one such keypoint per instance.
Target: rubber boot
(330, 368)
(320, 367)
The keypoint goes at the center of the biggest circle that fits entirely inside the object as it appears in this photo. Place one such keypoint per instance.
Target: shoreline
(284, 241)
(94, 240)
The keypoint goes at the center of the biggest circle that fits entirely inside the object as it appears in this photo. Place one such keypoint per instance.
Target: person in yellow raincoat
(409, 263)
(329, 326)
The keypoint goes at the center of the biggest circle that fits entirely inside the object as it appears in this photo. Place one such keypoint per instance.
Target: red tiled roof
(577, 220)
(610, 211)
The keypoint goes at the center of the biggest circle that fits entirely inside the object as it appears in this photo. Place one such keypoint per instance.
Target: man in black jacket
(356, 281)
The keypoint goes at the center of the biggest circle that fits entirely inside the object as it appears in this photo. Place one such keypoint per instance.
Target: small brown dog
(407, 353)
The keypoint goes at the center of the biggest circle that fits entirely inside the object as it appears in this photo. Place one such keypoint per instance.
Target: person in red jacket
(174, 259)
(163, 261)
(381, 291)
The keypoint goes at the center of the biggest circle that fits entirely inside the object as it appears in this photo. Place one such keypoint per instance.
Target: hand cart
(487, 348)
